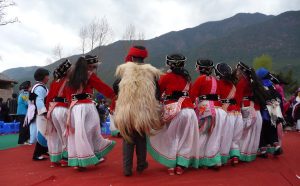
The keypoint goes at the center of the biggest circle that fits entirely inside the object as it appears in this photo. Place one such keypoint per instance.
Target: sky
(44, 24)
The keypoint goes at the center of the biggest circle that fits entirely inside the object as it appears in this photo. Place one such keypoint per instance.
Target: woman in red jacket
(176, 145)
(249, 95)
(211, 116)
(57, 106)
(233, 127)
(85, 143)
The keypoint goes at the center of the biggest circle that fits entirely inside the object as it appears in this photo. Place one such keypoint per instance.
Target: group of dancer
(224, 116)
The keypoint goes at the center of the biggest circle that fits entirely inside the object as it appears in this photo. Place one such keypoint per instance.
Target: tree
(97, 33)
(57, 51)
(263, 61)
(92, 32)
(83, 34)
(133, 36)
(292, 84)
(104, 33)
(141, 35)
(130, 36)
(130, 33)
(4, 4)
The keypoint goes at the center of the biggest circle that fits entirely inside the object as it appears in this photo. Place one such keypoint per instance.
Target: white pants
(33, 132)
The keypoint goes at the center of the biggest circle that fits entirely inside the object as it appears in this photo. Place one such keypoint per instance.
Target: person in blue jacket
(22, 110)
(38, 96)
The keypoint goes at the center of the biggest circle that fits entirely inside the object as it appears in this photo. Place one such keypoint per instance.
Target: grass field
(8, 141)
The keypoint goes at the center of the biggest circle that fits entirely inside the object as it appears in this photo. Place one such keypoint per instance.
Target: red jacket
(170, 82)
(55, 87)
(225, 88)
(202, 86)
(243, 90)
(93, 83)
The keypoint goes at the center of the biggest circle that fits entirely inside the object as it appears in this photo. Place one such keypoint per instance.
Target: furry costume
(136, 106)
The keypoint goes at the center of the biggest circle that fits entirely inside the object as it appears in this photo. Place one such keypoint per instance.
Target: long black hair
(182, 72)
(79, 74)
(260, 94)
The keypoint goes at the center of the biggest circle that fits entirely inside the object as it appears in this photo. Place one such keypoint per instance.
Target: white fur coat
(137, 108)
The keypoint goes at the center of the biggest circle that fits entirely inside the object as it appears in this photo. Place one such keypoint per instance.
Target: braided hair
(224, 71)
(205, 66)
(176, 63)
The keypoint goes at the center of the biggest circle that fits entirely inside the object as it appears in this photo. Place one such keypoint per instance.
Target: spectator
(12, 105)
(3, 111)
(21, 112)
(296, 110)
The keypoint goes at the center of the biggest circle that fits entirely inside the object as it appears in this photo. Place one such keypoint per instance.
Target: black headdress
(205, 66)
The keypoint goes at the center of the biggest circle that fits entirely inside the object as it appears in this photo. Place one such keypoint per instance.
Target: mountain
(241, 37)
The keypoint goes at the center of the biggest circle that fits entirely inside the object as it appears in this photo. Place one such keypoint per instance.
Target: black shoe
(278, 151)
(216, 167)
(39, 158)
(141, 169)
(127, 173)
(263, 155)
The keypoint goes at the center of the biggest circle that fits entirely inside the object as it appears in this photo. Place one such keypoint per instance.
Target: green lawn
(8, 141)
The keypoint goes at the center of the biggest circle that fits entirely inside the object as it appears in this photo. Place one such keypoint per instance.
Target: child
(39, 124)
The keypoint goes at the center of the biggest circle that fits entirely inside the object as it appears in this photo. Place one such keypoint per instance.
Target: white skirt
(210, 142)
(41, 126)
(113, 130)
(57, 142)
(249, 142)
(231, 135)
(177, 143)
(86, 146)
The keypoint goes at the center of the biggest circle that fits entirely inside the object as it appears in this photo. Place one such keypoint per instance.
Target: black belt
(176, 95)
(250, 98)
(81, 96)
(228, 101)
(60, 100)
(210, 97)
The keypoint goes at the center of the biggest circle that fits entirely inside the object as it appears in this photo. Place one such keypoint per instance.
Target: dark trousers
(39, 150)
(141, 152)
(23, 131)
(268, 134)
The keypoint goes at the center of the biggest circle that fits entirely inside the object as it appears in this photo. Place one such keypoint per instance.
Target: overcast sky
(45, 23)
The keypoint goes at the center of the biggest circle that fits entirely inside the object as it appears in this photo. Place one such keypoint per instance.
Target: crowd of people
(225, 116)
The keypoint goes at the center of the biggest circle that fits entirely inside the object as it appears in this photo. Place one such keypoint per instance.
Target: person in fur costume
(137, 109)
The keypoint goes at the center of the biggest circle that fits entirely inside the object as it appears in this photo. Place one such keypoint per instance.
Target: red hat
(136, 51)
